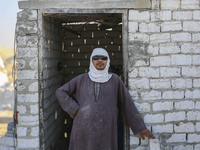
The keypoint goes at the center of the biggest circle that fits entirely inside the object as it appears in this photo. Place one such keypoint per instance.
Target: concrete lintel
(84, 5)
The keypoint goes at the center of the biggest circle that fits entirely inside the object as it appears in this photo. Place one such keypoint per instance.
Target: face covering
(100, 76)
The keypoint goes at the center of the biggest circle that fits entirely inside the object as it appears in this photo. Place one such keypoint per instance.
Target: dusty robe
(95, 125)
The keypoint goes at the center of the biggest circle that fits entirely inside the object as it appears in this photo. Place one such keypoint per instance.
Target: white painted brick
(198, 126)
(168, 128)
(169, 48)
(27, 98)
(181, 60)
(145, 141)
(160, 38)
(193, 138)
(160, 83)
(196, 37)
(29, 118)
(27, 74)
(184, 127)
(154, 144)
(133, 26)
(191, 26)
(175, 116)
(188, 4)
(142, 107)
(183, 147)
(133, 94)
(21, 131)
(134, 140)
(21, 109)
(197, 105)
(142, 83)
(151, 95)
(193, 115)
(179, 37)
(141, 63)
(153, 50)
(34, 131)
(138, 37)
(34, 63)
(149, 27)
(28, 143)
(34, 109)
(176, 138)
(133, 73)
(20, 86)
(192, 94)
(21, 64)
(173, 94)
(160, 61)
(197, 147)
(171, 26)
(33, 87)
(161, 16)
(196, 60)
(191, 71)
(182, 15)
(170, 4)
(184, 105)
(150, 118)
(196, 15)
(161, 106)
(32, 15)
(27, 52)
(138, 16)
(196, 82)
(148, 72)
(155, 4)
(182, 83)
(169, 72)
(190, 48)
(21, 41)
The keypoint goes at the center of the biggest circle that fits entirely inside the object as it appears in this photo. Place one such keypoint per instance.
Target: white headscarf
(100, 76)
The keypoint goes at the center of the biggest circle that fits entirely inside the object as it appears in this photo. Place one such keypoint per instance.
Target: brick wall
(164, 72)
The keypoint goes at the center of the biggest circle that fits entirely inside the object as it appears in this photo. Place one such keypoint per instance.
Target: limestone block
(23, 98)
(184, 127)
(139, 16)
(134, 140)
(151, 95)
(197, 147)
(33, 87)
(141, 62)
(181, 60)
(161, 16)
(191, 26)
(193, 138)
(148, 72)
(34, 63)
(133, 94)
(173, 94)
(181, 37)
(133, 73)
(142, 83)
(169, 72)
(34, 131)
(34, 109)
(162, 106)
(184, 105)
(191, 71)
(170, 4)
(152, 50)
(21, 131)
(133, 26)
(28, 143)
(32, 41)
(196, 82)
(160, 61)
(188, 4)
(160, 83)
(175, 116)
(27, 74)
(160, 38)
(196, 15)
(21, 41)
(149, 27)
(182, 83)
(27, 27)
(32, 15)
(193, 115)
(139, 37)
(182, 15)
(154, 144)
(142, 107)
(21, 64)
(27, 52)
(198, 126)
(190, 48)
(155, 4)
(196, 60)
(153, 118)
(175, 138)
(196, 37)
(169, 48)
(192, 94)
(21, 109)
(171, 26)
(20, 86)
(145, 141)
(168, 128)
(183, 147)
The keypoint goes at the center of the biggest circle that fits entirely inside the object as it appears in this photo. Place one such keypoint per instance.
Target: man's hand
(147, 133)
(74, 115)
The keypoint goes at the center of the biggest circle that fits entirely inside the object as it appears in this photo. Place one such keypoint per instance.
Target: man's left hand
(147, 133)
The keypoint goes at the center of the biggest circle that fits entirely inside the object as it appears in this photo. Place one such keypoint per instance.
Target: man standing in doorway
(91, 99)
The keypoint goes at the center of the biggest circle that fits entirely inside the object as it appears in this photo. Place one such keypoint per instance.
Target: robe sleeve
(131, 113)
(64, 96)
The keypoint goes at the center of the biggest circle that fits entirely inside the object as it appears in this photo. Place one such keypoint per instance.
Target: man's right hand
(74, 115)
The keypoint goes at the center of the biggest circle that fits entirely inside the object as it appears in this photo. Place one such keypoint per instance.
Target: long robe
(95, 124)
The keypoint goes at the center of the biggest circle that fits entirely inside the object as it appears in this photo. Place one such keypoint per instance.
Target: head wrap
(100, 76)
